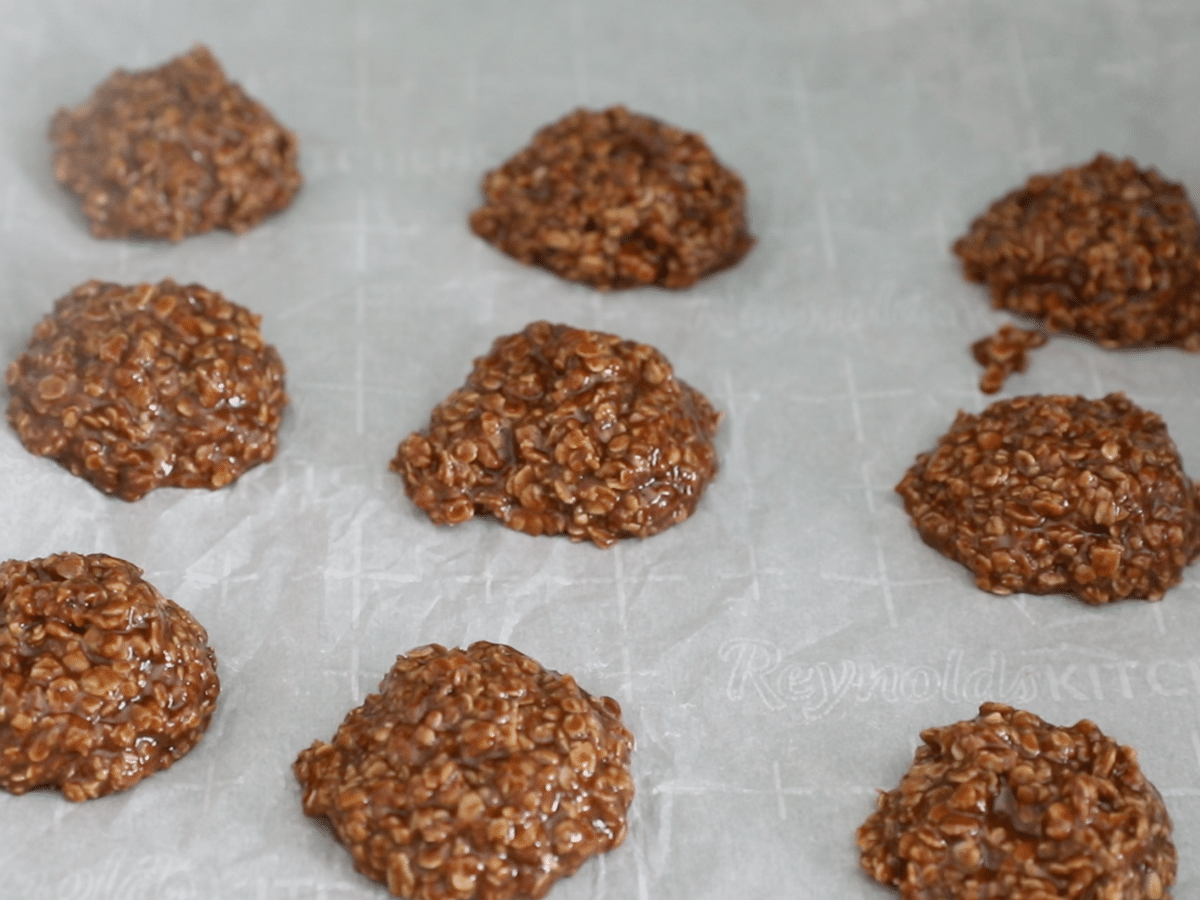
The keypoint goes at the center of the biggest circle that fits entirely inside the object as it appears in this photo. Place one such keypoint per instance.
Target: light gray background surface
(777, 654)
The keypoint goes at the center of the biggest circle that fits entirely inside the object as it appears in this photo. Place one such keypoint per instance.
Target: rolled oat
(1059, 494)
(174, 151)
(473, 773)
(103, 681)
(616, 200)
(1008, 807)
(144, 386)
(1105, 250)
(564, 431)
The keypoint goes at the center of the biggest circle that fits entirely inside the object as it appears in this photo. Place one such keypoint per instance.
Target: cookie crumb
(1003, 353)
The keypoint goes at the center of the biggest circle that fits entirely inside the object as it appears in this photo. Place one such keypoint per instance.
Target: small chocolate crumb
(1003, 353)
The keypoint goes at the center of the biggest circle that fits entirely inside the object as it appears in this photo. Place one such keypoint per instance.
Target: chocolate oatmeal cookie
(103, 681)
(473, 773)
(616, 200)
(174, 151)
(1008, 807)
(564, 431)
(1059, 494)
(1105, 250)
(135, 387)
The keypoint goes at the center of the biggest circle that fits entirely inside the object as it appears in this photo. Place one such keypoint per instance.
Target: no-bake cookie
(473, 773)
(174, 151)
(1008, 807)
(135, 387)
(615, 199)
(1105, 250)
(1059, 494)
(559, 430)
(103, 681)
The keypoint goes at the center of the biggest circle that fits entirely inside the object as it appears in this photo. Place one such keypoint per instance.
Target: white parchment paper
(777, 654)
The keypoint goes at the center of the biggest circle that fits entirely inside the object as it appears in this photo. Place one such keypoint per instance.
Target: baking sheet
(777, 654)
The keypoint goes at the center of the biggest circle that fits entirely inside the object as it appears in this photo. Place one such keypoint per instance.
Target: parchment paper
(777, 654)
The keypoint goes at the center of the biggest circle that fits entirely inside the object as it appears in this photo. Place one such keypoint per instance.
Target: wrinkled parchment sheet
(777, 654)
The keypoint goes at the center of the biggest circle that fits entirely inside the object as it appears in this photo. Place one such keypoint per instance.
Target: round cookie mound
(560, 430)
(473, 773)
(145, 386)
(174, 151)
(1008, 807)
(1105, 250)
(616, 200)
(104, 680)
(1059, 495)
